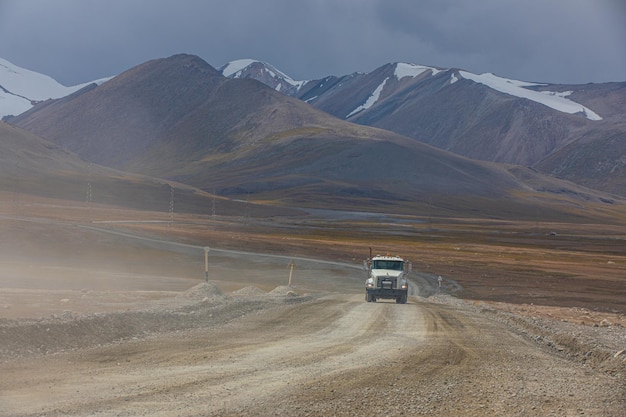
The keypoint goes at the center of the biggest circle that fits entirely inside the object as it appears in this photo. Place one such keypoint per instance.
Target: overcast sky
(556, 41)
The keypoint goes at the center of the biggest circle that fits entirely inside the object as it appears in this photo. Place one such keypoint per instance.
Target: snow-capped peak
(261, 71)
(20, 88)
(554, 100)
(233, 69)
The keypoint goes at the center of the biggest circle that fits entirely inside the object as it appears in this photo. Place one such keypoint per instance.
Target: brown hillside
(33, 167)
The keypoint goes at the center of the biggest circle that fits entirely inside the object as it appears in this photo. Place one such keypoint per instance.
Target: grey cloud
(557, 41)
(552, 41)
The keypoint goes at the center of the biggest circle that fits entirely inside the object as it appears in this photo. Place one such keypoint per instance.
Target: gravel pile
(202, 306)
(203, 292)
(284, 290)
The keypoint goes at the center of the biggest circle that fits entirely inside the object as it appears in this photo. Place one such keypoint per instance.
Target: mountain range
(576, 132)
(181, 120)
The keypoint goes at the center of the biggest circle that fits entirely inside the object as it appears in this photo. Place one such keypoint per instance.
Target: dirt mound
(203, 292)
(284, 290)
(249, 291)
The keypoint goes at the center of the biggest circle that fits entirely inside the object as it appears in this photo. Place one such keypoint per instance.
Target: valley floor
(100, 322)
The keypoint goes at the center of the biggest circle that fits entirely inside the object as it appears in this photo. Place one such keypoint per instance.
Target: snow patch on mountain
(21, 88)
(412, 70)
(370, 100)
(12, 105)
(555, 100)
(402, 70)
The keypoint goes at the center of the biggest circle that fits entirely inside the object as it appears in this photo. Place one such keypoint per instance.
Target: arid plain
(106, 311)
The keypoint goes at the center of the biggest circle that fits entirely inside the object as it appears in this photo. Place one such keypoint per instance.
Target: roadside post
(206, 263)
(291, 266)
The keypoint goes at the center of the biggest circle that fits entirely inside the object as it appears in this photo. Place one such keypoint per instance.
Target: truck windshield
(393, 265)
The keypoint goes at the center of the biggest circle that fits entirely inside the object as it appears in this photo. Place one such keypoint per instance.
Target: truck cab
(387, 278)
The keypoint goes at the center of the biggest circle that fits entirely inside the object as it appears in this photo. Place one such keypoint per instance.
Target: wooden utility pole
(206, 264)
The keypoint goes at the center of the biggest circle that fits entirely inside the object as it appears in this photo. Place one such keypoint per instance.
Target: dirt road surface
(287, 355)
(97, 338)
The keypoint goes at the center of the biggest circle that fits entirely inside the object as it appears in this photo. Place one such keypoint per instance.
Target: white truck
(386, 278)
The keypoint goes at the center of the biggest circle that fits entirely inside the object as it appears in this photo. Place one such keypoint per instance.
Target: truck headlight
(369, 285)
(405, 286)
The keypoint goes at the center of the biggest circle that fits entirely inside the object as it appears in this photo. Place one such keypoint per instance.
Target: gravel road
(278, 353)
